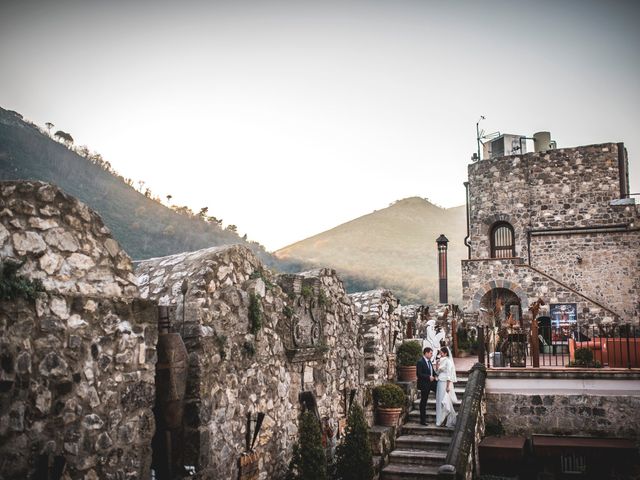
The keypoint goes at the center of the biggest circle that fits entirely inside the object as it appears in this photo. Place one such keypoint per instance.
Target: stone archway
(499, 303)
(488, 287)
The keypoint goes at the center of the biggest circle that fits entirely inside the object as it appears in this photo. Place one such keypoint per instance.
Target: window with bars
(502, 241)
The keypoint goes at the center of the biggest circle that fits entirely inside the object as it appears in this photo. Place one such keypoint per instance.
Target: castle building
(557, 225)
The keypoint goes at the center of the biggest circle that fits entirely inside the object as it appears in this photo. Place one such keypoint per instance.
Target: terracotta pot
(407, 374)
(388, 417)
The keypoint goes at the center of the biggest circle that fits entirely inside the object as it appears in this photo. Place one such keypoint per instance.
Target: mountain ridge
(390, 248)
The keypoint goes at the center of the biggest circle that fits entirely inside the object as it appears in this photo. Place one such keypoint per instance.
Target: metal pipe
(581, 231)
(466, 239)
(594, 227)
(623, 173)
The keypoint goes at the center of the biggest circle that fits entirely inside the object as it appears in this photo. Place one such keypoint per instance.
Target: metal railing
(589, 346)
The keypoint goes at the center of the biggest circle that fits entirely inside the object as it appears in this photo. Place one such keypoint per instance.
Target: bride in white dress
(445, 394)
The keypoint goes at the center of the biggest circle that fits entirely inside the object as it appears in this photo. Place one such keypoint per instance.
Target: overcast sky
(289, 118)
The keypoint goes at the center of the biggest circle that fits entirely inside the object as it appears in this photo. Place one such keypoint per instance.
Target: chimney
(442, 242)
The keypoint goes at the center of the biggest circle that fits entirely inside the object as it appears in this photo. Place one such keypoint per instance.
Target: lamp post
(442, 242)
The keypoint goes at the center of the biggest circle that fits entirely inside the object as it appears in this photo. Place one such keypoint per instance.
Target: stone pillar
(442, 267)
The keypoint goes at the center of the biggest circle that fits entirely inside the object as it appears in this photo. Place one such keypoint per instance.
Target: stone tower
(557, 225)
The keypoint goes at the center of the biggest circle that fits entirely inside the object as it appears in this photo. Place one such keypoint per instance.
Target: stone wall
(414, 317)
(585, 261)
(306, 340)
(561, 414)
(481, 276)
(331, 364)
(64, 243)
(599, 403)
(77, 385)
(565, 189)
(77, 363)
(381, 331)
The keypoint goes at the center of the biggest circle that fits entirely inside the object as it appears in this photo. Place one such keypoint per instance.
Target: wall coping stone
(568, 373)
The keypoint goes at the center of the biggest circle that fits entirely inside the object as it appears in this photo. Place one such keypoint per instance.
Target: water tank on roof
(542, 141)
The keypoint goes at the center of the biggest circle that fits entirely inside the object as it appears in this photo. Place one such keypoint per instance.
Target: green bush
(13, 286)
(354, 457)
(309, 461)
(409, 353)
(255, 314)
(389, 395)
(493, 429)
(584, 356)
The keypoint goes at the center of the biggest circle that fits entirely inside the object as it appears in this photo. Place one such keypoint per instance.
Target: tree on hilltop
(83, 151)
(64, 137)
(49, 126)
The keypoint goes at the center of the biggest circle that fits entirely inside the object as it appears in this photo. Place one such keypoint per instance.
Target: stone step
(415, 428)
(407, 456)
(431, 402)
(399, 471)
(424, 443)
(414, 416)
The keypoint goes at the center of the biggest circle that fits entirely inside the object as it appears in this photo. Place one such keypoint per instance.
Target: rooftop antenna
(478, 134)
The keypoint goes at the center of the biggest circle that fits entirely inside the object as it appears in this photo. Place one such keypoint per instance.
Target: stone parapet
(257, 343)
(62, 242)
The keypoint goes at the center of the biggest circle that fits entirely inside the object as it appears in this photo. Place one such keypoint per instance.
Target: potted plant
(389, 400)
(408, 355)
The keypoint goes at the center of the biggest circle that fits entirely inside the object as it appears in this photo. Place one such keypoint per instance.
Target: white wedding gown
(445, 413)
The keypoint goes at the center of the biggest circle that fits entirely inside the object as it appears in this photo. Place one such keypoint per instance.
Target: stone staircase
(421, 449)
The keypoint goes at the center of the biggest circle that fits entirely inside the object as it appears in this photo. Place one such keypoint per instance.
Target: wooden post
(454, 335)
(535, 344)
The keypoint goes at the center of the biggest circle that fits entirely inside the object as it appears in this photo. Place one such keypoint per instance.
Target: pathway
(420, 449)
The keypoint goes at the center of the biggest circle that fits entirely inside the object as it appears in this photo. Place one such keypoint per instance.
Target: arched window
(503, 243)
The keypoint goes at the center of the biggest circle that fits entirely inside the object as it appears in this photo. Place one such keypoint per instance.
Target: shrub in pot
(389, 401)
(408, 355)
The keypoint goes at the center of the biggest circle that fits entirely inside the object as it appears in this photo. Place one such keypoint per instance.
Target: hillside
(394, 248)
(144, 227)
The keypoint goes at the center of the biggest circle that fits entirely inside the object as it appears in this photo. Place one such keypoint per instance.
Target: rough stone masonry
(77, 364)
(576, 234)
(307, 343)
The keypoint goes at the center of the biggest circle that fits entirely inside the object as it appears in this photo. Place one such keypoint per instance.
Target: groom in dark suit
(427, 381)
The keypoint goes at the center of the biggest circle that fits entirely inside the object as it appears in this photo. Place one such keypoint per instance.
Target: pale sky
(288, 118)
